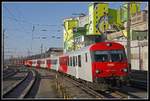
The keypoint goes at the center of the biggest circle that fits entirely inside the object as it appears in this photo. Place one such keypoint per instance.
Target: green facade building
(134, 8)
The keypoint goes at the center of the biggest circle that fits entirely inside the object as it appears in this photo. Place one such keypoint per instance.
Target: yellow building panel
(97, 21)
(68, 35)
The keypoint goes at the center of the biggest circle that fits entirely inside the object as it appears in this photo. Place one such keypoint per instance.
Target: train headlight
(108, 44)
(97, 71)
(125, 70)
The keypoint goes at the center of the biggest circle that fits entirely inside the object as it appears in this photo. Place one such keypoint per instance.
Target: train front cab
(109, 62)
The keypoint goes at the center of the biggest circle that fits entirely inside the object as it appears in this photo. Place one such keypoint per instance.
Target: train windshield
(109, 56)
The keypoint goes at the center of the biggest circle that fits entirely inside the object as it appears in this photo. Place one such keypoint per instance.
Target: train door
(48, 62)
(38, 64)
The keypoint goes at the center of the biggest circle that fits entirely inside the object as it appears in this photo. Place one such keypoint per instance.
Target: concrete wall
(139, 54)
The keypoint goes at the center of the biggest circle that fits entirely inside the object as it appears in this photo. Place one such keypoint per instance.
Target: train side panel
(43, 63)
(54, 63)
(34, 62)
(84, 66)
(72, 64)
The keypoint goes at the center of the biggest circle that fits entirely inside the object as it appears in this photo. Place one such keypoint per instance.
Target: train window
(70, 61)
(79, 60)
(54, 61)
(106, 56)
(73, 60)
(38, 62)
(117, 55)
(86, 57)
(76, 61)
(48, 61)
(101, 58)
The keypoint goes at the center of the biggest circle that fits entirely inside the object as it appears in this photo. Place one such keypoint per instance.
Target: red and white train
(99, 61)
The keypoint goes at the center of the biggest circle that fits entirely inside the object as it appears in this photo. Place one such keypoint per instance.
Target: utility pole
(74, 40)
(32, 37)
(41, 50)
(128, 37)
(28, 52)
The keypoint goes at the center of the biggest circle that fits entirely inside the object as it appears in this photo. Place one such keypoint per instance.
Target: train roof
(106, 46)
(97, 46)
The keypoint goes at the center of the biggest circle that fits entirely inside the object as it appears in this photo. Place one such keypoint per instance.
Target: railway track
(84, 88)
(139, 84)
(9, 72)
(113, 93)
(124, 92)
(21, 89)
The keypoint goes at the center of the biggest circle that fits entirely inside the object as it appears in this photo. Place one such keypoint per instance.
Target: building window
(96, 12)
(96, 17)
(139, 18)
(104, 26)
(90, 22)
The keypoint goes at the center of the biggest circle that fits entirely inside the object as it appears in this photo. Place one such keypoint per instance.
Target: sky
(25, 23)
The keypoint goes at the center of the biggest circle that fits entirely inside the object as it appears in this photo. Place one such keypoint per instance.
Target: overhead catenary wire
(20, 19)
